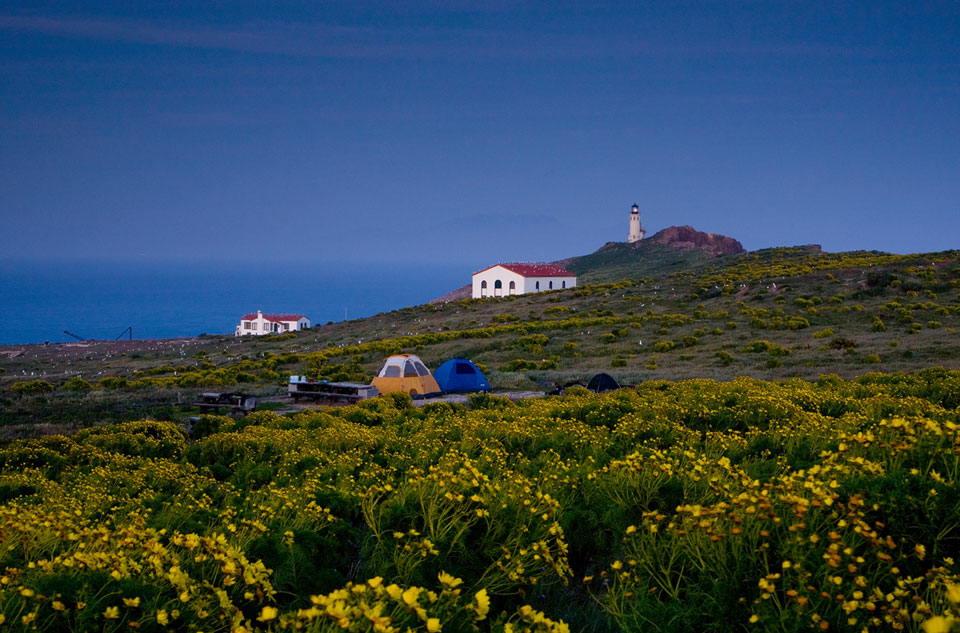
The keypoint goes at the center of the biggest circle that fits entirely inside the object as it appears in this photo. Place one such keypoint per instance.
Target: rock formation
(686, 238)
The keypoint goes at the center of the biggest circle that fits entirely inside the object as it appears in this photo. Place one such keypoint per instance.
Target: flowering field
(744, 505)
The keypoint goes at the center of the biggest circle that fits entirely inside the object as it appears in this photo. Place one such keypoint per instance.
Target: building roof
(276, 318)
(533, 270)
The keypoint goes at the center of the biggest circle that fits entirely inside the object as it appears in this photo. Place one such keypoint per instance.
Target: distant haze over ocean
(165, 300)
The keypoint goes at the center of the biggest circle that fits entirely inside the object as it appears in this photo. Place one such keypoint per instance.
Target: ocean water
(99, 300)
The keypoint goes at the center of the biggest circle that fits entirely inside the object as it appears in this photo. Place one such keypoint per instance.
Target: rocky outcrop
(686, 238)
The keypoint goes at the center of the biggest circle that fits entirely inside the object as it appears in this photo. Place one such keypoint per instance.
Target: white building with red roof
(259, 324)
(503, 280)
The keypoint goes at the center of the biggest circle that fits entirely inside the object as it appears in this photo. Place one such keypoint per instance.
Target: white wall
(524, 285)
(491, 276)
(558, 283)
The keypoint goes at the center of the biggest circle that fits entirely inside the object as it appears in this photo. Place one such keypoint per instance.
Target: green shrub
(139, 439)
(31, 387)
(664, 346)
(519, 364)
(842, 343)
(766, 346)
(726, 358)
(402, 400)
(488, 401)
(608, 338)
(76, 384)
(618, 362)
(286, 336)
(824, 333)
(548, 364)
(797, 323)
(757, 346)
(878, 325)
(570, 349)
(533, 343)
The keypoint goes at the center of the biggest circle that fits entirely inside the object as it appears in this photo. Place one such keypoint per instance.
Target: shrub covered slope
(691, 505)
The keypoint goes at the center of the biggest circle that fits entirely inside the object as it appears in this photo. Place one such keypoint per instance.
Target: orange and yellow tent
(407, 373)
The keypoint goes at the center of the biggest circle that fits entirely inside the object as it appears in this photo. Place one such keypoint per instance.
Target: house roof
(276, 318)
(532, 270)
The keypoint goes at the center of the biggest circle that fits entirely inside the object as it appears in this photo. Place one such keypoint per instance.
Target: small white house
(503, 280)
(259, 324)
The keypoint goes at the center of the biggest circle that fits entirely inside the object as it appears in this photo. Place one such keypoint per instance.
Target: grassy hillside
(684, 503)
(776, 313)
(619, 261)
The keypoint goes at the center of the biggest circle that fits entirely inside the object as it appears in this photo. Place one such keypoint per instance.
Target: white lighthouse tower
(636, 229)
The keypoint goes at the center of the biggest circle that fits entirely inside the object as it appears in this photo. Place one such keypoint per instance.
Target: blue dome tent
(458, 375)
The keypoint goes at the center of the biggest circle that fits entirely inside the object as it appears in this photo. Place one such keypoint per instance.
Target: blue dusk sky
(472, 132)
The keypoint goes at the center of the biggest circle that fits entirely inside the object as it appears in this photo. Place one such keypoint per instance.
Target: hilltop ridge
(666, 251)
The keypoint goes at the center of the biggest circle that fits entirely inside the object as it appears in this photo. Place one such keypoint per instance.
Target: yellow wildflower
(410, 596)
(953, 593)
(267, 614)
(448, 580)
(938, 624)
(111, 613)
(483, 604)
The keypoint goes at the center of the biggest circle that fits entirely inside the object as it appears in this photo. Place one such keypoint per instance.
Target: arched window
(513, 287)
(538, 285)
(551, 285)
(483, 288)
(498, 288)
